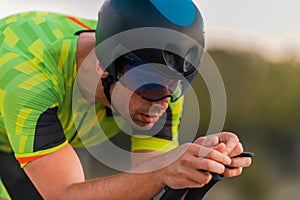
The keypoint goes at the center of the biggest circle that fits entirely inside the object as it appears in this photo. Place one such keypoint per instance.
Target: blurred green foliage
(263, 108)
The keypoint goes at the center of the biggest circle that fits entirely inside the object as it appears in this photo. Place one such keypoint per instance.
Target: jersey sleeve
(166, 137)
(28, 94)
(37, 71)
(3, 192)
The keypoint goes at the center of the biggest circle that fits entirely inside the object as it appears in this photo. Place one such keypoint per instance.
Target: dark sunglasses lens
(152, 81)
(157, 92)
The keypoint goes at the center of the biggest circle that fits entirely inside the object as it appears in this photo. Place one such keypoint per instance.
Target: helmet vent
(183, 12)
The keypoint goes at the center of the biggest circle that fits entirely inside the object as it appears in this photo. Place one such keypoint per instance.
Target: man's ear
(100, 71)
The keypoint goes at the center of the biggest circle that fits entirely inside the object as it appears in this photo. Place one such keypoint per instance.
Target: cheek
(120, 98)
(127, 102)
(135, 103)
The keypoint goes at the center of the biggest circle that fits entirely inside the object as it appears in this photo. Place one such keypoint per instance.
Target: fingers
(221, 148)
(227, 143)
(240, 162)
(195, 178)
(209, 153)
(203, 164)
(185, 177)
(238, 149)
(194, 166)
(233, 172)
(192, 170)
(230, 140)
(208, 141)
(185, 171)
(236, 166)
(200, 179)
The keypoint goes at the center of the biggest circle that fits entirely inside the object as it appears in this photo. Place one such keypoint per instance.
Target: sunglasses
(157, 80)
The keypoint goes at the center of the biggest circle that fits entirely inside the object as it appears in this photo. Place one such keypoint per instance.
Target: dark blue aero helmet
(168, 38)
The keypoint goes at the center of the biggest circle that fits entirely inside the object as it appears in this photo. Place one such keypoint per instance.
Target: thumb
(220, 147)
(207, 141)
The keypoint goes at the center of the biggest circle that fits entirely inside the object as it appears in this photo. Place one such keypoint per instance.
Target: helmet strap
(106, 83)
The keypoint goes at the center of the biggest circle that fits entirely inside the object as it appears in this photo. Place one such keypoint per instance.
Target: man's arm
(59, 175)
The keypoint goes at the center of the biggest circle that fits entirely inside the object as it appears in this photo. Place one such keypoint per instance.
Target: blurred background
(256, 46)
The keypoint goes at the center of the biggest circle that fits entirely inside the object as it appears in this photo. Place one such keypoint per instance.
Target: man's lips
(150, 118)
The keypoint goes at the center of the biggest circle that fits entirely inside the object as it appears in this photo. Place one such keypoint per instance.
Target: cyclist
(41, 55)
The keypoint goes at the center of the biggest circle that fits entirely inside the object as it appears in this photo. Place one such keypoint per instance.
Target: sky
(269, 24)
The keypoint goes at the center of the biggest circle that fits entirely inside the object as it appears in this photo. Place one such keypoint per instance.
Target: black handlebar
(192, 193)
(197, 193)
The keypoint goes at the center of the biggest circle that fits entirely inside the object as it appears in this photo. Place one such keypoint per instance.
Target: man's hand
(188, 166)
(192, 169)
(229, 144)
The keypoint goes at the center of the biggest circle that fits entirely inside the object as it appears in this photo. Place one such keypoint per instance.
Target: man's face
(138, 112)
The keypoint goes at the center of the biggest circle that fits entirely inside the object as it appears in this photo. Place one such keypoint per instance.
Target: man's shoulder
(39, 17)
(23, 17)
(47, 27)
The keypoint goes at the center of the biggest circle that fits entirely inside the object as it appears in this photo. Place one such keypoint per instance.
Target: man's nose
(164, 103)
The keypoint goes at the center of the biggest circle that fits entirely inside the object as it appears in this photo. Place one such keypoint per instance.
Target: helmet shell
(117, 16)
